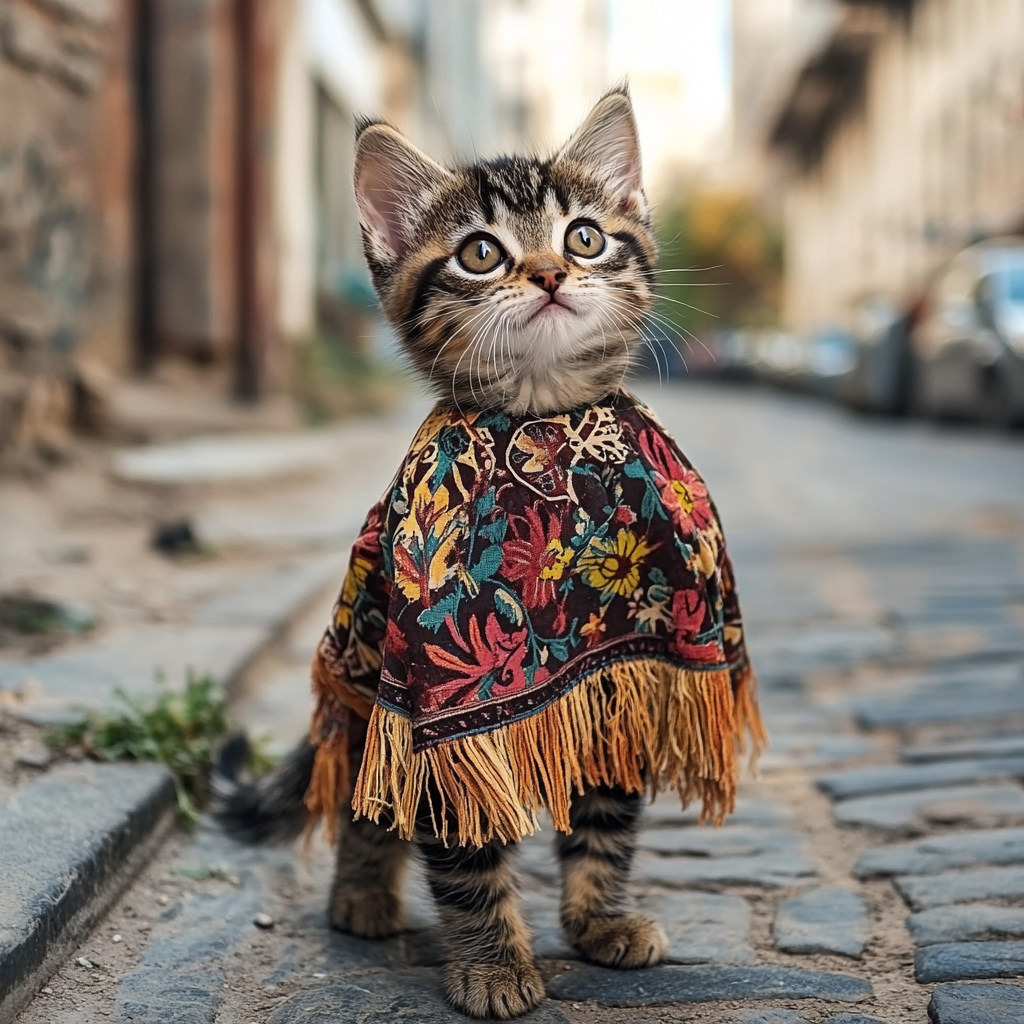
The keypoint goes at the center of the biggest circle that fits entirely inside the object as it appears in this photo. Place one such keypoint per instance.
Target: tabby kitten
(515, 284)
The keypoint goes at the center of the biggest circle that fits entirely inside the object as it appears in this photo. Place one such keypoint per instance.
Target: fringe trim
(337, 731)
(625, 725)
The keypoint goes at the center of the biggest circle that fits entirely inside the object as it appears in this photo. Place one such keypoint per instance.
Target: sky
(676, 54)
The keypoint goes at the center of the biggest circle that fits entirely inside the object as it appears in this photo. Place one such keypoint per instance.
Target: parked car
(780, 358)
(969, 344)
(830, 356)
(879, 379)
(735, 353)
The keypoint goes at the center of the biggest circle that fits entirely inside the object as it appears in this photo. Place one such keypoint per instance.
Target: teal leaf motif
(485, 503)
(434, 616)
(486, 685)
(494, 532)
(559, 648)
(509, 607)
(493, 421)
(489, 564)
(651, 505)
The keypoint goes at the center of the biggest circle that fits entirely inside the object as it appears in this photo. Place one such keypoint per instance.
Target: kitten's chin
(564, 358)
(542, 395)
(552, 312)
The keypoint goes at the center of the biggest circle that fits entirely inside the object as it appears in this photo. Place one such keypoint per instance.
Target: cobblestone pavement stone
(825, 920)
(880, 566)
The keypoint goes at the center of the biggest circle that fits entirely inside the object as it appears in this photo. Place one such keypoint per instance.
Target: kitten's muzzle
(548, 278)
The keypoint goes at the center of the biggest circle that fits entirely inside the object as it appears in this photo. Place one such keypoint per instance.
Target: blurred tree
(717, 238)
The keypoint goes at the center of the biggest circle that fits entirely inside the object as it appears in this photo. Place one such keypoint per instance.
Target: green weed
(180, 729)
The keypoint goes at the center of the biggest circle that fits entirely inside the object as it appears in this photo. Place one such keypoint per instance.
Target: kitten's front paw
(494, 990)
(625, 942)
(370, 915)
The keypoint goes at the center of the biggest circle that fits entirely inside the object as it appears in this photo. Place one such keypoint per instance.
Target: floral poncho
(533, 607)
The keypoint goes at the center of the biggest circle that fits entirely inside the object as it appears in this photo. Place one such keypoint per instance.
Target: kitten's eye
(584, 240)
(480, 254)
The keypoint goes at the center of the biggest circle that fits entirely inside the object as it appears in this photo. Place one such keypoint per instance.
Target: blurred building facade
(897, 129)
(65, 204)
(175, 175)
(175, 186)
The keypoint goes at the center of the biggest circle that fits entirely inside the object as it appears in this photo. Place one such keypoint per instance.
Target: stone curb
(71, 842)
(69, 845)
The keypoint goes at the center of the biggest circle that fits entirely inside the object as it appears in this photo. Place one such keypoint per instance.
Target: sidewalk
(873, 873)
(274, 515)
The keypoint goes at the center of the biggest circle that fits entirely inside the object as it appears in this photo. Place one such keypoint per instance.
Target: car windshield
(1013, 285)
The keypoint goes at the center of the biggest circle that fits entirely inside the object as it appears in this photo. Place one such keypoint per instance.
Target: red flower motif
(623, 516)
(682, 491)
(688, 612)
(496, 659)
(535, 556)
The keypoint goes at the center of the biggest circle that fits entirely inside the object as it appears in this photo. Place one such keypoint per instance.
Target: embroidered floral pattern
(509, 557)
(612, 565)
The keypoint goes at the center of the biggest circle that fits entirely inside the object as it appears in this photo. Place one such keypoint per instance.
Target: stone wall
(65, 210)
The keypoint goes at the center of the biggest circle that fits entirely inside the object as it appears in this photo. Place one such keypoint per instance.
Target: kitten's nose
(548, 278)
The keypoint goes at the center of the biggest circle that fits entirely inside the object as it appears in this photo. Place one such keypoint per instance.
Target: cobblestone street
(873, 872)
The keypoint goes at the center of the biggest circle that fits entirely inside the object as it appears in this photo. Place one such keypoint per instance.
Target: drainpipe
(248, 355)
(146, 341)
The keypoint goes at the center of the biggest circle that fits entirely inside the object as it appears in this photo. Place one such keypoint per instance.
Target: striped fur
(366, 894)
(596, 858)
(481, 340)
(270, 809)
(489, 969)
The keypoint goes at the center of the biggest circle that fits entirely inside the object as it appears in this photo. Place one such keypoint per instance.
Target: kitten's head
(515, 283)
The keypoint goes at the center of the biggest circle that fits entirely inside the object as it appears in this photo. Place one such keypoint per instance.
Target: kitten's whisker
(674, 329)
(628, 313)
(420, 320)
(454, 336)
(468, 350)
(493, 368)
(471, 349)
(696, 309)
(493, 329)
(684, 270)
(625, 368)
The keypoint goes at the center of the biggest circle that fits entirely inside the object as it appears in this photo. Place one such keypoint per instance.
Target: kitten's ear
(392, 180)
(608, 143)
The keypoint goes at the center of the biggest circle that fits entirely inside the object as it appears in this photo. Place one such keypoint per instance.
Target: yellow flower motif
(614, 565)
(563, 556)
(355, 580)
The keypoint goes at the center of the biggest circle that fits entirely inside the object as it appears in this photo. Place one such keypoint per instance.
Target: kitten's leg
(489, 970)
(595, 859)
(366, 894)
